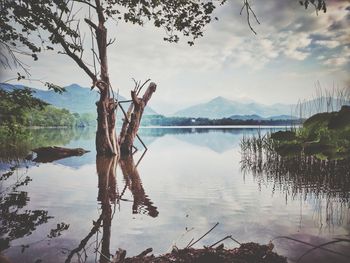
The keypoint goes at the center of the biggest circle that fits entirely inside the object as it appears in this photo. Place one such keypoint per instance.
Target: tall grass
(323, 100)
(299, 173)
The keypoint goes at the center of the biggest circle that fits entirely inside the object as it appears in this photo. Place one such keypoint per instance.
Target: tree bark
(131, 126)
(106, 141)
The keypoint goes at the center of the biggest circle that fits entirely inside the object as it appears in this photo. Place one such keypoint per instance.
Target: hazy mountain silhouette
(220, 107)
(76, 98)
(259, 118)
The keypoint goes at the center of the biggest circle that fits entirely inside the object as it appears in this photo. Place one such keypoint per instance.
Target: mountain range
(259, 118)
(76, 98)
(220, 107)
(82, 100)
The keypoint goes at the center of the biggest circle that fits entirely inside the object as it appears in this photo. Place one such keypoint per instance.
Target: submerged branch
(54, 153)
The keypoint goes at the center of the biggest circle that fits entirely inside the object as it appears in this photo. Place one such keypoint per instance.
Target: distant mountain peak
(219, 98)
(73, 85)
(221, 107)
(76, 98)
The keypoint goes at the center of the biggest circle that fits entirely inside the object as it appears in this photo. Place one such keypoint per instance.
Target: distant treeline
(160, 120)
(53, 117)
(20, 108)
(50, 116)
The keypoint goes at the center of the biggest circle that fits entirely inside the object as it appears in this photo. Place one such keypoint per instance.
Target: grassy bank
(325, 136)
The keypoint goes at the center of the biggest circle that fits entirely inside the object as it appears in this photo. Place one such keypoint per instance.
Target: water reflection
(17, 221)
(142, 203)
(300, 174)
(185, 171)
(216, 139)
(17, 148)
(108, 197)
(304, 176)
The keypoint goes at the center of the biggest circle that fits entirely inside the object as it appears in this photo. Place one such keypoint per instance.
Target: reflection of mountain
(217, 139)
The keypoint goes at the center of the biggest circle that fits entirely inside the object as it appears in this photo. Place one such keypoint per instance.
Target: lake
(188, 180)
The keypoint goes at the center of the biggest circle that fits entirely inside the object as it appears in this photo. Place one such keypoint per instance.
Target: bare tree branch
(249, 10)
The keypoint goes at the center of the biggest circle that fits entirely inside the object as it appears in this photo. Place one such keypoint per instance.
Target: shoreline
(175, 127)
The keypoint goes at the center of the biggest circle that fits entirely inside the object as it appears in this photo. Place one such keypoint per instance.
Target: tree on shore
(15, 104)
(30, 26)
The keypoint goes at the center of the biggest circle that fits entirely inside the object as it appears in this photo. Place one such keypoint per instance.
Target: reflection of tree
(303, 176)
(134, 183)
(108, 197)
(16, 223)
(106, 170)
(19, 147)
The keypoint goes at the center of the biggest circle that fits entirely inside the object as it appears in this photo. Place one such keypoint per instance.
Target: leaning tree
(31, 26)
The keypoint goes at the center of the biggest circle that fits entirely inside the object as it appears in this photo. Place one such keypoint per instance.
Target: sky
(294, 49)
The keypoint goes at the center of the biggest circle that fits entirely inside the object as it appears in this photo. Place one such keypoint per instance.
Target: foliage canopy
(30, 26)
(14, 104)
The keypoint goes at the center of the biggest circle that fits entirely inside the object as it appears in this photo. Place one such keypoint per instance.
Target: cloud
(340, 59)
(291, 32)
(229, 59)
(292, 29)
(327, 43)
(294, 45)
(335, 61)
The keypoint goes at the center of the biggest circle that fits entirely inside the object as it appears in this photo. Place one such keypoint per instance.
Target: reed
(323, 100)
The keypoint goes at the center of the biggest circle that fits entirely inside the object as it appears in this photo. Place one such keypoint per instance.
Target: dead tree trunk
(106, 141)
(132, 124)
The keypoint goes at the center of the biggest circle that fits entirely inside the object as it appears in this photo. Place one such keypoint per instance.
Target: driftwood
(54, 153)
(246, 253)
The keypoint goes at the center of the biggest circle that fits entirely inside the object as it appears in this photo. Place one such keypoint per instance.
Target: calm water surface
(188, 180)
